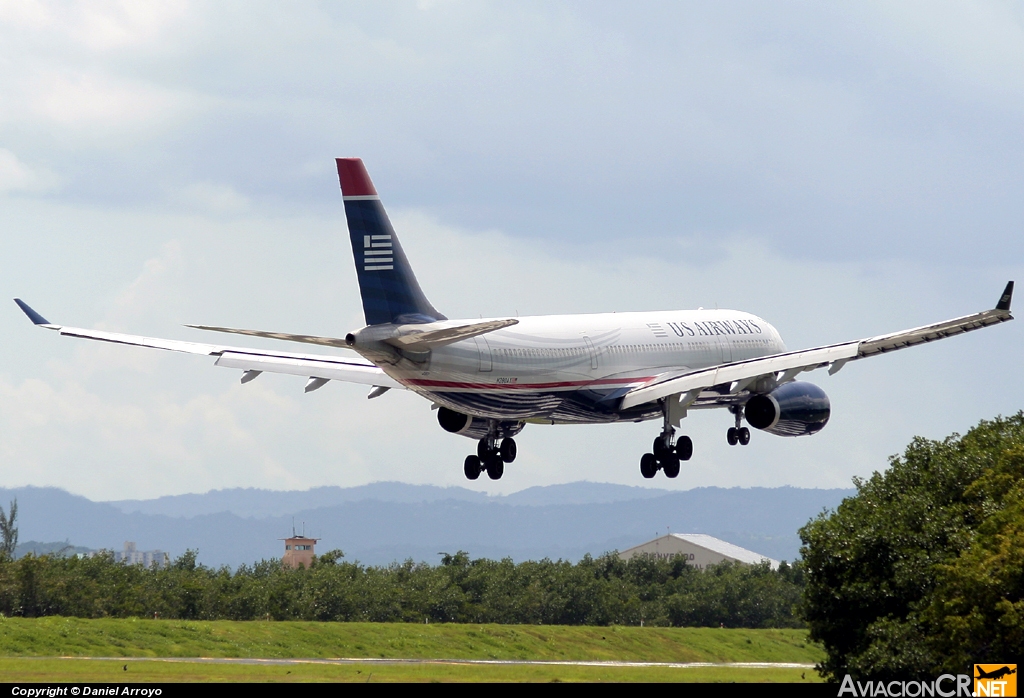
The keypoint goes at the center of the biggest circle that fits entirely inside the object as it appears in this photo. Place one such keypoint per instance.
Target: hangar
(699, 550)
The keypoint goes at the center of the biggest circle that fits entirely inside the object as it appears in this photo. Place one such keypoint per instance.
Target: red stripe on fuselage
(426, 383)
(354, 179)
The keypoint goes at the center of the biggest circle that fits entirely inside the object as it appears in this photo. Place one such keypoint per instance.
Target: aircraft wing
(318, 368)
(786, 366)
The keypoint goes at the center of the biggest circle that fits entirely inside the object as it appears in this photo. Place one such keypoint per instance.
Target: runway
(486, 662)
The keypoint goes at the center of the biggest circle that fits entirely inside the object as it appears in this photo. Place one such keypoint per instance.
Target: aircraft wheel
(670, 465)
(495, 467)
(684, 448)
(659, 448)
(481, 450)
(744, 436)
(508, 450)
(648, 465)
(472, 467)
(732, 436)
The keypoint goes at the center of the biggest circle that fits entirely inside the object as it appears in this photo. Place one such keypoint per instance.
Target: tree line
(594, 591)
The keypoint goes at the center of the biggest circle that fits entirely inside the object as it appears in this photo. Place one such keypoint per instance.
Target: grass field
(30, 648)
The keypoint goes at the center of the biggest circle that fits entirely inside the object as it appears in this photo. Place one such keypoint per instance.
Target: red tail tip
(354, 179)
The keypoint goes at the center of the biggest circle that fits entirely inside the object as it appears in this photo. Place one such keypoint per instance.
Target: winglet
(35, 317)
(1004, 300)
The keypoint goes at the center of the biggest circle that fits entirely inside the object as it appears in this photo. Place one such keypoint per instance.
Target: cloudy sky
(841, 170)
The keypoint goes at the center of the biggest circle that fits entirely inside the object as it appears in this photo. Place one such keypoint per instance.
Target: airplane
(489, 378)
(995, 673)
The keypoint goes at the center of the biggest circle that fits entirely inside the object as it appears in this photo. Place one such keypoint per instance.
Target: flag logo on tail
(377, 254)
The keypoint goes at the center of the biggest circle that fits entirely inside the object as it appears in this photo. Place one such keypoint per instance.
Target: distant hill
(385, 522)
(249, 502)
(55, 548)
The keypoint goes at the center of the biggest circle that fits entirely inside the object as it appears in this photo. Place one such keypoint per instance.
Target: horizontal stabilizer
(304, 338)
(430, 339)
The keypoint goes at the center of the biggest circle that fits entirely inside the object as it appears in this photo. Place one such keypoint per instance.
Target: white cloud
(979, 47)
(98, 25)
(16, 176)
(828, 131)
(212, 197)
(76, 66)
(103, 102)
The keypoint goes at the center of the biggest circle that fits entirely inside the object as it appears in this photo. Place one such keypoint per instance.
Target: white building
(146, 558)
(698, 549)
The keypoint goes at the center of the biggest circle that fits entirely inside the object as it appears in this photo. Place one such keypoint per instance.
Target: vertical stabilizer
(387, 285)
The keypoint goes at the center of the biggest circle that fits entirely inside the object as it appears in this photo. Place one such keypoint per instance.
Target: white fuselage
(575, 368)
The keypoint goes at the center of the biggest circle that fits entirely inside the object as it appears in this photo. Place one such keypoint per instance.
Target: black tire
(659, 448)
(508, 450)
(472, 467)
(684, 448)
(495, 467)
(744, 436)
(482, 451)
(732, 436)
(648, 465)
(670, 465)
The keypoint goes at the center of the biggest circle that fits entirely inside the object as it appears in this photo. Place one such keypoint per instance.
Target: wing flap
(326, 368)
(790, 362)
(929, 333)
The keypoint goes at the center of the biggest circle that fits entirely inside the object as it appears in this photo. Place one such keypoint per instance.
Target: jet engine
(473, 427)
(792, 409)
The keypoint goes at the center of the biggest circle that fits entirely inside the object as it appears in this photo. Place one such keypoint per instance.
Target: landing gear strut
(667, 452)
(738, 434)
(491, 456)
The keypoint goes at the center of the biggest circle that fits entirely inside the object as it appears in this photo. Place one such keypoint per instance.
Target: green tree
(920, 571)
(977, 610)
(8, 531)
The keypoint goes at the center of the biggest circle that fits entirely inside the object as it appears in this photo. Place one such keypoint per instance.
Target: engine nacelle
(792, 409)
(473, 427)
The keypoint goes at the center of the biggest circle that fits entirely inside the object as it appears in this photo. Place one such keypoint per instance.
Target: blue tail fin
(386, 282)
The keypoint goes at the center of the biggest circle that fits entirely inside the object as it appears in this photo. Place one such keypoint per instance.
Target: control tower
(298, 551)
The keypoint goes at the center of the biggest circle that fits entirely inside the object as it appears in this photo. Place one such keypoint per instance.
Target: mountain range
(385, 522)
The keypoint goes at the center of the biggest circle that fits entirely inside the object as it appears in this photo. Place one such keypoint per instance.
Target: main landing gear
(667, 450)
(490, 457)
(666, 455)
(737, 434)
